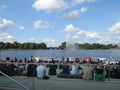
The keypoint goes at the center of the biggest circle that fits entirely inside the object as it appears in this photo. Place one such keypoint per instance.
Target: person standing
(63, 60)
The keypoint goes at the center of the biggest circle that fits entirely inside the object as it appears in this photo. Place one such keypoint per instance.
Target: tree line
(28, 45)
(42, 45)
(89, 46)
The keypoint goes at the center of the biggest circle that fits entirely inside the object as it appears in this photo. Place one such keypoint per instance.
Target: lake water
(21, 54)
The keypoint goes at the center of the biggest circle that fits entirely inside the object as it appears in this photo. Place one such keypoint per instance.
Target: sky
(57, 21)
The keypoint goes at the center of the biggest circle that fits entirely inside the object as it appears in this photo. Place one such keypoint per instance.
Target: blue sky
(56, 21)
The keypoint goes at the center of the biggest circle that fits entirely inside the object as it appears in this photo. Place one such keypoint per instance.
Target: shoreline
(63, 49)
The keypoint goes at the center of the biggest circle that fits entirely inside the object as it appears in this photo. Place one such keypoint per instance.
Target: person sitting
(41, 71)
(115, 73)
(52, 68)
(74, 69)
(99, 75)
(87, 72)
(65, 72)
(31, 69)
(20, 68)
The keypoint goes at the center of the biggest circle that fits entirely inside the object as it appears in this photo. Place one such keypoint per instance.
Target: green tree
(2, 45)
(14, 45)
(32, 46)
(26, 46)
(43, 45)
(109, 46)
(63, 45)
(7, 45)
(20, 46)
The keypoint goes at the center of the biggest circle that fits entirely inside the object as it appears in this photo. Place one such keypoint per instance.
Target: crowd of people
(86, 70)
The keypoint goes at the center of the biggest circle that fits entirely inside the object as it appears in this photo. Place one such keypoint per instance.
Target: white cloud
(93, 35)
(75, 37)
(40, 24)
(83, 9)
(74, 14)
(70, 28)
(71, 15)
(32, 39)
(81, 32)
(21, 27)
(6, 37)
(50, 5)
(75, 2)
(89, 34)
(84, 36)
(2, 7)
(105, 40)
(119, 37)
(49, 41)
(115, 28)
(91, 0)
(5, 24)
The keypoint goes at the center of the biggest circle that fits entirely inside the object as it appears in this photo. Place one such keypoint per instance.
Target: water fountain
(71, 43)
(71, 46)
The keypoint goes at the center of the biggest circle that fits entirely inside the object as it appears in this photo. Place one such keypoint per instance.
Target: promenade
(55, 83)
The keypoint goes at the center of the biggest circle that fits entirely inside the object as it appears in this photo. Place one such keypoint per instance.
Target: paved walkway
(55, 83)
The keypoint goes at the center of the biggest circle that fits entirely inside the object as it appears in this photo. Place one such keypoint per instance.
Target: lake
(21, 54)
